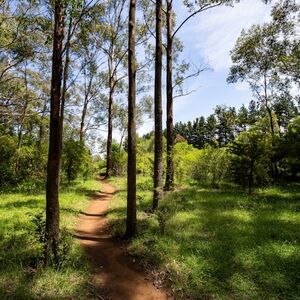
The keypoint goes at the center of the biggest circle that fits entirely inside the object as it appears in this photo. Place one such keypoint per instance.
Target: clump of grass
(21, 235)
(221, 244)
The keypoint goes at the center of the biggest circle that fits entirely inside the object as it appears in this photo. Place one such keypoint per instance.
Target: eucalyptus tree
(90, 81)
(113, 28)
(131, 171)
(286, 25)
(254, 61)
(265, 57)
(194, 8)
(55, 136)
(23, 43)
(158, 133)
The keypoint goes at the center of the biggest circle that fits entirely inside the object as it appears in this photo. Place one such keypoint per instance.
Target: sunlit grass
(21, 277)
(220, 244)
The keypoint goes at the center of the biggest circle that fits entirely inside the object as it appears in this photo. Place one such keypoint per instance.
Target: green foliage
(64, 247)
(212, 166)
(291, 148)
(76, 160)
(21, 236)
(119, 160)
(251, 156)
(32, 163)
(185, 156)
(145, 156)
(8, 149)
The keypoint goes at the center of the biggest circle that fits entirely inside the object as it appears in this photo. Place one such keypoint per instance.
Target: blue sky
(208, 39)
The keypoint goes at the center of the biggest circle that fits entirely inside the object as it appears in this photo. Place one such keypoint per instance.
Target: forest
(93, 206)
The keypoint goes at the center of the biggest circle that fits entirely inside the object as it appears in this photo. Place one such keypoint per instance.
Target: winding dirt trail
(116, 276)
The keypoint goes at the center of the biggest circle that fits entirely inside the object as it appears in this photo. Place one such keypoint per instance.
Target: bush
(8, 149)
(185, 157)
(291, 148)
(76, 160)
(251, 154)
(119, 160)
(211, 166)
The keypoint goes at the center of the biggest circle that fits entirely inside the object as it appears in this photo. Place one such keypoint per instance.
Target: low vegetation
(22, 275)
(219, 243)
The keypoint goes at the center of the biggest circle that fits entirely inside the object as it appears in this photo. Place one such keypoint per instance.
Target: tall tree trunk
(266, 96)
(41, 127)
(274, 167)
(82, 122)
(66, 71)
(22, 120)
(55, 138)
(87, 92)
(158, 146)
(131, 175)
(110, 119)
(170, 137)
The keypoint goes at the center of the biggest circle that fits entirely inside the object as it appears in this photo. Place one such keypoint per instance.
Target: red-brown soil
(116, 275)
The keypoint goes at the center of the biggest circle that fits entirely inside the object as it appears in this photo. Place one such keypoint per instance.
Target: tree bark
(55, 138)
(22, 120)
(110, 118)
(131, 175)
(158, 141)
(169, 77)
(87, 92)
(66, 71)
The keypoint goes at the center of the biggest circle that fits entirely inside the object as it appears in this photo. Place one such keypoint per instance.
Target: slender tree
(169, 85)
(55, 138)
(113, 46)
(194, 7)
(158, 140)
(131, 175)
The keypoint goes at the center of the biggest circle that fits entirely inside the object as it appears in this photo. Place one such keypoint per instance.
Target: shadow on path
(116, 276)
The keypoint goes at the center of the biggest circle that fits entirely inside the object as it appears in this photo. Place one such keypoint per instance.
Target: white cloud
(213, 34)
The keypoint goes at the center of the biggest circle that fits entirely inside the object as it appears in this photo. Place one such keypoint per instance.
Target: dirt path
(115, 274)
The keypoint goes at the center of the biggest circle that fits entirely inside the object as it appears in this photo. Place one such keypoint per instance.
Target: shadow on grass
(23, 277)
(21, 274)
(31, 203)
(228, 245)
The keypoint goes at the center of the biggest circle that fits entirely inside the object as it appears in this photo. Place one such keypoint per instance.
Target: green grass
(21, 275)
(220, 244)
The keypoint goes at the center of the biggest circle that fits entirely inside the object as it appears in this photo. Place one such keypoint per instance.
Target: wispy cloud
(213, 34)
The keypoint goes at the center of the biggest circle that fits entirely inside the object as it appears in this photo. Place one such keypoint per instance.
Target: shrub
(251, 154)
(211, 166)
(291, 148)
(119, 160)
(8, 149)
(185, 157)
(76, 160)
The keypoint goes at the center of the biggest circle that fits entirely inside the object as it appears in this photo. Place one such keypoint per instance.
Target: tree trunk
(274, 167)
(110, 120)
(42, 128)
(170, 137)
(82, 122)
(66, 71)
(87, 92)
(158, 141)
(131, 175)
(55, 138)
(22, 120)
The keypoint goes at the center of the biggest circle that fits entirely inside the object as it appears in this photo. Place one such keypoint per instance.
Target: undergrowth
(219, 243)
(22, 225)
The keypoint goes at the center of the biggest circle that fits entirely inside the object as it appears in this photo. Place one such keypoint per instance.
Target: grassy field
(219, 244)
(21, 276)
